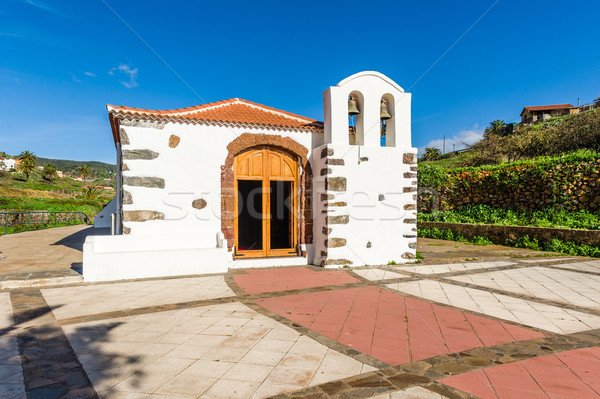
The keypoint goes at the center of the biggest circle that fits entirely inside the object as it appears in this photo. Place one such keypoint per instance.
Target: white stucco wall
(376, 232)
(192, 170)
(185, 241)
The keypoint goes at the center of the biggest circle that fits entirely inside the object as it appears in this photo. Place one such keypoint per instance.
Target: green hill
(562, 135)
(98, 169)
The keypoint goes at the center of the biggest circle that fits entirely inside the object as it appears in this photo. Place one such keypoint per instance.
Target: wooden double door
(266, 201)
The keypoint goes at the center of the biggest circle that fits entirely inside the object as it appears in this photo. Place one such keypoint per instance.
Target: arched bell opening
(387, 122)
(356, 134)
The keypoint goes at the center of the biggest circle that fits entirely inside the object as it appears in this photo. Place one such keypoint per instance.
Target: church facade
(239, 184)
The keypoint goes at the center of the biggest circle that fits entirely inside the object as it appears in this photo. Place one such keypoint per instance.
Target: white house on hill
(8, 164)
(239, 184)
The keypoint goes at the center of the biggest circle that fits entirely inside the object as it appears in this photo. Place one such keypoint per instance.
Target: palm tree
(495, 127)
(431, 154)
(85, 172)
(49, 172)
(90, 192)
(27, 161)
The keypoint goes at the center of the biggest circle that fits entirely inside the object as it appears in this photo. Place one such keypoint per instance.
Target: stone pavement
(491, 328)
(43, 257)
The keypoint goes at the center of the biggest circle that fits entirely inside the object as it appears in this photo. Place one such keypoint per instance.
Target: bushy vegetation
(46, 192)
(483, 214)
(556, 136)
(445, 234)
(90, 206)
(430, 175)
(556, 245)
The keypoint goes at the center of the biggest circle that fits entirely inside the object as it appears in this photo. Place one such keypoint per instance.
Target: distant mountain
(98, 169)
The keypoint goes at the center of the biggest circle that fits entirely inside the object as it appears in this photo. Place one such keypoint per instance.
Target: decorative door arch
(266, 203)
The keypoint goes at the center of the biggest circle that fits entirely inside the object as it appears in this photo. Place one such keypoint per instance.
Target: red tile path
(568, 375)
(272, 280)
(391, 327)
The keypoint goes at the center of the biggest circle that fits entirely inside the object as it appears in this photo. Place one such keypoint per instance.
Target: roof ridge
(207, 106)
(549, 105)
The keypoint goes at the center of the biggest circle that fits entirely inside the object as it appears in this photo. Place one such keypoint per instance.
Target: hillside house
(239, 184)
(8, 164)
(541, 113)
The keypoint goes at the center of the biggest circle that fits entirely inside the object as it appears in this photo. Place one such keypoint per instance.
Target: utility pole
(454, 147)
(444, 147)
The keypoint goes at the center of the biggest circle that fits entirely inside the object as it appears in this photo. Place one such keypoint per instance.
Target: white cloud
(75, 78)
(457, 142)
(89, 74)
(127, 71)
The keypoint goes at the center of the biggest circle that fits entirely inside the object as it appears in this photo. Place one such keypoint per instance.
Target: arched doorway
(266, 203)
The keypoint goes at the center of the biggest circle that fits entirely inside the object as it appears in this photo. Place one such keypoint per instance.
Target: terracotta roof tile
(548, 107)
(234, 110)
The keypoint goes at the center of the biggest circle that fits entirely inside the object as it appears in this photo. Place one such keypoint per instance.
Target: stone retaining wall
(572, 186)
(501, 234)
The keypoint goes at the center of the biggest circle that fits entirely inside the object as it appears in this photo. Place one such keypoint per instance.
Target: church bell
(352, 108)
(383, 113)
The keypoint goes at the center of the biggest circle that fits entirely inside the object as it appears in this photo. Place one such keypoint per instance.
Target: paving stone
(391, 327)
(223, 359)
(378, 274)
(269, 280)
(529, 313)
(572, 288)
(316, 333)
(101, 298)
(571, 374)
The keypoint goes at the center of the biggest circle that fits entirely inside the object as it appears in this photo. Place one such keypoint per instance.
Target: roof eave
(115, 115)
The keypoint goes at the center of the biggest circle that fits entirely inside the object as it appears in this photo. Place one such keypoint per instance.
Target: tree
(431, 154)
(49, 172)
(27, 161)
(90, 192)
(495, 127)
(85, 172)
(597, 103)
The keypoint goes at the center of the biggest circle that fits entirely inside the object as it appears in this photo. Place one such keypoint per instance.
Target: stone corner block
(150, 182)
(335, 184)
(142, 216)
(140, 154)
(409, 158)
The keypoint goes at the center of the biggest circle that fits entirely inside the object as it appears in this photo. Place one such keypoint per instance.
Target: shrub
(484, 214)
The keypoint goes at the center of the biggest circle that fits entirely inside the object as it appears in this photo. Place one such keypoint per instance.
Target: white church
(235, 184)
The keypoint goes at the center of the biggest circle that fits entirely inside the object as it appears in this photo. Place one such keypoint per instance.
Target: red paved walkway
(271, 280)
(568, 375)
(391, 327)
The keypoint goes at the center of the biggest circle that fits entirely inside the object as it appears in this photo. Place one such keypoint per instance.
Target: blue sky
(62, 61)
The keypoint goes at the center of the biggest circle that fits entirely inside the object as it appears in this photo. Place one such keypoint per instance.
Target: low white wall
(107, 258)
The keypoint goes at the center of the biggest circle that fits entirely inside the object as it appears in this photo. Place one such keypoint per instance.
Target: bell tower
(365, 175)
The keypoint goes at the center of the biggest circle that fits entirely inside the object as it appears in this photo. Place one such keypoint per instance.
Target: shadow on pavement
(62, 362)
(76, 240)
